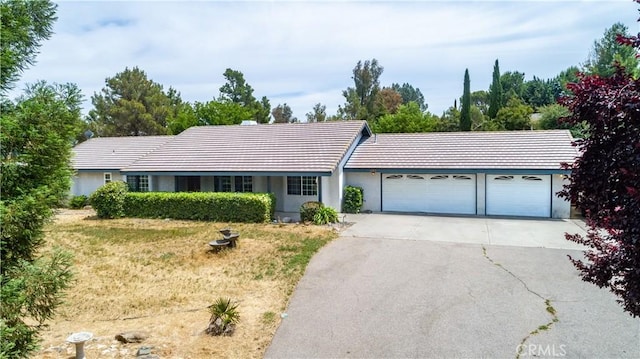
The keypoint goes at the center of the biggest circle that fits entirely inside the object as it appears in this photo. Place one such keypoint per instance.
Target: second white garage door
(447, 193)
(519, 195)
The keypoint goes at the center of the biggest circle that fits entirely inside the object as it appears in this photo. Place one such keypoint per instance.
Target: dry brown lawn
(159, 276)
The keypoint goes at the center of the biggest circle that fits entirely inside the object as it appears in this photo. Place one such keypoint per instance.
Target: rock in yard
(132, 337)
(217, 327)
(144, 351)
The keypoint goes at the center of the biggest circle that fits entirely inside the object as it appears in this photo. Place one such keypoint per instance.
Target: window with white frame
(222, 183)
(304, 185)
(107, 177)
(243, 183)
(138, 183)
(233, 183)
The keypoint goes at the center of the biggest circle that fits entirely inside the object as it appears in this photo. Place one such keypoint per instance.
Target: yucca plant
(224, 317)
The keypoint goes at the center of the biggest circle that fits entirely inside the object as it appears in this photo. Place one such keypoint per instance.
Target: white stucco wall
(560, 207)
(260, 184)
(333, 186)
(481, 194)
(370, 184)
(293, 203)
(332, 190)
(279, 188)
(85, 183)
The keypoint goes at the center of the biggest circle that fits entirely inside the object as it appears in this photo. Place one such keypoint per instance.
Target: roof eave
(460, 170)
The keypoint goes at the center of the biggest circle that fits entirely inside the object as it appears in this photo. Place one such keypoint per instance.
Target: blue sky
(303, 53)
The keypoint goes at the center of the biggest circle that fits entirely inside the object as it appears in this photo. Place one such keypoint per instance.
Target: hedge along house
(296, 162)
(514, 173)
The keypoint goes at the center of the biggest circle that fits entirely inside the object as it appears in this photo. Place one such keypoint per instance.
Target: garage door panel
(448, 193)
(402, 194)
(454, 194)
(519, 195)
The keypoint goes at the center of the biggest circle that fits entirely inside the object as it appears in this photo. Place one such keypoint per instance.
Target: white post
(79, 339)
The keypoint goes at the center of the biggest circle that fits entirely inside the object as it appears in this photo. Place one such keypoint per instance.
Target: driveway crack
(547, 302)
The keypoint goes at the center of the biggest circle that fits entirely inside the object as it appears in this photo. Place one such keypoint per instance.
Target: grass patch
(160, 276)
(268, 318)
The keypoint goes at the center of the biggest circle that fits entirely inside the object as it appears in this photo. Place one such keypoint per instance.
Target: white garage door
(449, 193)
(519, 195)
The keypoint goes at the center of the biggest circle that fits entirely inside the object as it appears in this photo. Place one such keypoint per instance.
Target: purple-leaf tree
(605, 180)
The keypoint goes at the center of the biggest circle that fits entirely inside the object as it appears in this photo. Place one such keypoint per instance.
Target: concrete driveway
(397, 286)
(547, 233)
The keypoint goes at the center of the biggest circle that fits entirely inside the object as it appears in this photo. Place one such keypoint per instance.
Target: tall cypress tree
(495, 92)
(465, 111)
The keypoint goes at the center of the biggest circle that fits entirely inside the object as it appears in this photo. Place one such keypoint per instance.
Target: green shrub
(204, 206)
(325, 215)
(77, 202)
(272, 208)
(309, 209)
(108, 200)
(224, 317)
(353, 199)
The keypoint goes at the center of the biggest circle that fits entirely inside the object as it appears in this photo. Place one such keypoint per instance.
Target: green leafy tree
(495, 92)
(317, 114)
(477, 118)
(183, 117)
(283, 114)
(449, 121)
(182, 114)
(351, 110)
(538, 92)
(480, 99)
(37, 133)
(551, 115)
(607, 51)
(408, 119)
(465, 111)
(565, 77)
(410, 94)
(175, 102)
(360, 99)
(130, 105)
(237, 90)
(221, 113)
(512, 85)
(263, 110)
(554, 117)
(25, 25)
(515, 116)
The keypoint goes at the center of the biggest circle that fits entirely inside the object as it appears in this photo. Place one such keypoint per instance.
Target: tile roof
(300, 147)
(114, 153)
(465, 150)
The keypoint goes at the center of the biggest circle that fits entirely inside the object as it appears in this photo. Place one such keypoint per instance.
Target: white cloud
(303, 53)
